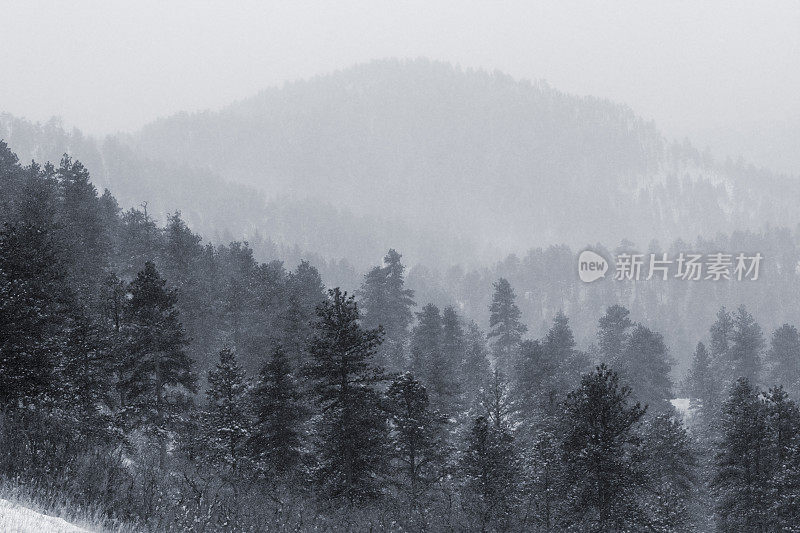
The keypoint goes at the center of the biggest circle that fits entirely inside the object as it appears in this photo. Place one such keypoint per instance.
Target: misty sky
(106, 66)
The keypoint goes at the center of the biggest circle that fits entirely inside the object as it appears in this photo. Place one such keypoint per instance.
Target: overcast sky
(106, 66)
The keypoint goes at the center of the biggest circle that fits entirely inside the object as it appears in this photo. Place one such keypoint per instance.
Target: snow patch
(14, 517)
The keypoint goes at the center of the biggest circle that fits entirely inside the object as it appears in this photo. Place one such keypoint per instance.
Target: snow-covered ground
(15, 518)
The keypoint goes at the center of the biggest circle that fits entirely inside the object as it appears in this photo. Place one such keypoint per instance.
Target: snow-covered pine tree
(437, 372)
(88, 367)
(612, 333)
(492, 477)
(669, 464)
(352, 432)
(419, 444)
(599, 453)
(645, 363)
(747, 345)
(33, 301)
(156, 374)
(783, 422)
(741, 483)
(226, 422)
(475, 367)
(497, 401)
(506, 329)
(385, 302)
(700, 384)
(783, 359)
(276, 438)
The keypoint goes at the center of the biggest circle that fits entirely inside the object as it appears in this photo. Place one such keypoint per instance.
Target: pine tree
(33, 301)
(612, 333)
(156, 374)
(747, 344)
(700, 383)
(475, 367)
(783, 359)
(352, 433)
(721, 334)
(277, 434)
(387, 303)
(564, 362)
(492, 476)
(783, 423)
(452, 353)
(419, 446)
(669, 464)
(646, 364)
(742, 474)
(226, 420)
(599, 452)
(543, 484)
(437, 372)
(88, 366)
(453, 341)
(506, 328)
(496, 400)
(533, 373)
(80, 229)
(305, 292)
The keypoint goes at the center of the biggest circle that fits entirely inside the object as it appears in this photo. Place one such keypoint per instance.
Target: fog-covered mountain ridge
(406, 137)
(348, 164)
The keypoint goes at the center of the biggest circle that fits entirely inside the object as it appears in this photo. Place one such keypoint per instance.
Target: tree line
(179, 386)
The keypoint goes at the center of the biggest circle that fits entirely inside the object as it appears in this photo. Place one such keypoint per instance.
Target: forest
(170, 384)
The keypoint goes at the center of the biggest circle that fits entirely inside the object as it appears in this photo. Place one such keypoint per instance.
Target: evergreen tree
(612, 333)
(532, 380)
(475, 367)
(700, 382)
(783, 423)
(438, 372)
(419, 446)
(600, 448)
(783, 358)
(496, 400)
(156, 372)
(670, 479)
(453, 341)
(544, 486)
(492, 476)
(506, 329)
(721, 334)
(88, 366)
(226, 418)
(742, 474)
(33, 301)
(565, 364)
(646, 364)
(452, 353)
(277, 434)
(387, 303)
(352, 433)
(305, 292)
(747, 344)
(81, 231)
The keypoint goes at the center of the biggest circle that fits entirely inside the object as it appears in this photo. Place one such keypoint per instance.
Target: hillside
(473, 153)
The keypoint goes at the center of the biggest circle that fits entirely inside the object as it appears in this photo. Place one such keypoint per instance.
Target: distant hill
(449, 166)
(510, 163)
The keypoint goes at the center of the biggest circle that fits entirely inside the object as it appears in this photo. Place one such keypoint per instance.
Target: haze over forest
(296, 267)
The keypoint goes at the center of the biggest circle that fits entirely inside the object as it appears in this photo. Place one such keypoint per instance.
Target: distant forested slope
(510, 163)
